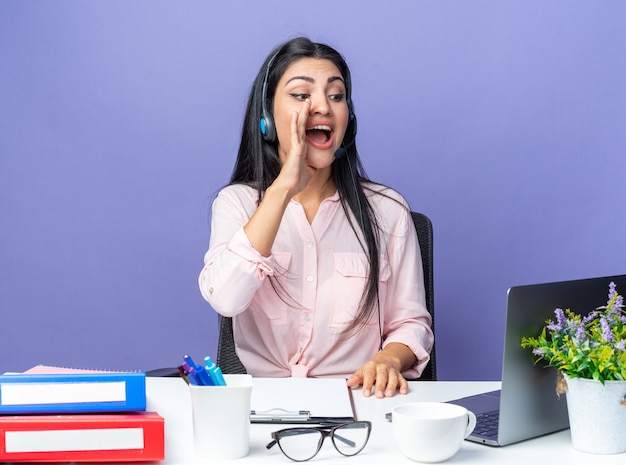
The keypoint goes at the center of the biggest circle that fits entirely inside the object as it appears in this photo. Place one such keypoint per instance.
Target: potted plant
(589, 353)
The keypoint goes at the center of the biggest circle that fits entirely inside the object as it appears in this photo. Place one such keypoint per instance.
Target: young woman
(319, 267)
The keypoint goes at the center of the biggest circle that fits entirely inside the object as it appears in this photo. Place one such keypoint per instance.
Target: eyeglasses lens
(350, 439)
(300, 444)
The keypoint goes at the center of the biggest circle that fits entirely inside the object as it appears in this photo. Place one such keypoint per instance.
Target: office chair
(229, 362)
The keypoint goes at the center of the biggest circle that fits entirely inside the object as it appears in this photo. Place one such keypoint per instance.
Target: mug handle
(471, 423)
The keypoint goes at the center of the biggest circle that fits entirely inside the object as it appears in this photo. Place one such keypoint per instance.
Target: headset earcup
(267, 128)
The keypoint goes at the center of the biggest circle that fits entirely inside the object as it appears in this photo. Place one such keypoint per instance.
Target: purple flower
(606, 330)
(538, 352)
(579, 337)
(589, 318)
(620, 345)
(552, 326)
(619, 300)
(560, 320)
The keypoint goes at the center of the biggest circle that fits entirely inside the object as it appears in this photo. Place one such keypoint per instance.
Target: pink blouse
(290, 309)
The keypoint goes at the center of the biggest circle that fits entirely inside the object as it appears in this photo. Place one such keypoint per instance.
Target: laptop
(527, 405)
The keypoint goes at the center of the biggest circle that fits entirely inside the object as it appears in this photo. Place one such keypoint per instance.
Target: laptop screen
(529, 406)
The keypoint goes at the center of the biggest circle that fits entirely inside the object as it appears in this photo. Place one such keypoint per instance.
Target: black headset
(268, 128)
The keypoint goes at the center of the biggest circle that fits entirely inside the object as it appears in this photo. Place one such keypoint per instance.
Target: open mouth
(319, 134)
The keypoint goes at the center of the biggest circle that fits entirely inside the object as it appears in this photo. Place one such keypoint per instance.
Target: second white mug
(431, 431)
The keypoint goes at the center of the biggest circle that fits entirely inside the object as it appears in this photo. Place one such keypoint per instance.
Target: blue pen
(186, 368)
(189, 361)
(191, 376)
(192, 372)
(203, 376)
(215, 372)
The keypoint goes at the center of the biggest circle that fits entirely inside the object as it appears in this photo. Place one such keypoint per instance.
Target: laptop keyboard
(487, 424)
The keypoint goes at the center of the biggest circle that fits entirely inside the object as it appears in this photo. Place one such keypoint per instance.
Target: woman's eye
(337, 97)
(300, 96)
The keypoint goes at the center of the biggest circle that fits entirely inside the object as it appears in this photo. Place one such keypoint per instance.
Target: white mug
(431, 431)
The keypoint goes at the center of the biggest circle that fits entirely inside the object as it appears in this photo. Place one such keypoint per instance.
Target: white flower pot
(597, 415)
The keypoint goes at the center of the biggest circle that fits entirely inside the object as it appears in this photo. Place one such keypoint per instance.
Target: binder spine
(72, 393)
(83, 438)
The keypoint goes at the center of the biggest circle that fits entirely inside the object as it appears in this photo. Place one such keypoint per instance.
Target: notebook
(527, 405)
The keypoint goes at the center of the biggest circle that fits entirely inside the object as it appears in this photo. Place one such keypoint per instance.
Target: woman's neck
(314, 194)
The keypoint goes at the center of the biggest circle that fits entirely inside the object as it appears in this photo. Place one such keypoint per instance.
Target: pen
(191, 376)
(215, 372)
(183, 374)
(203, 376)
(186, 367)
(189, 361)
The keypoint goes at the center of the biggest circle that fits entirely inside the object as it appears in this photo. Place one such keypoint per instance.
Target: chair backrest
(229, 362)
(227, 358)
(424, 228)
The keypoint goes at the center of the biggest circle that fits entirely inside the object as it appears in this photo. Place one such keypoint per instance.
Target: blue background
(505, 122)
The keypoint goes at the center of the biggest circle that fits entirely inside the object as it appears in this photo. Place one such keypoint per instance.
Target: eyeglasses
(302, 444)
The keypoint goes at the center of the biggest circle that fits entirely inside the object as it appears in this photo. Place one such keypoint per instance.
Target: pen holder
(221, 418)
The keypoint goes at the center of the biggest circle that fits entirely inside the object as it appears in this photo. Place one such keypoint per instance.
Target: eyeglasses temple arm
(345, 440)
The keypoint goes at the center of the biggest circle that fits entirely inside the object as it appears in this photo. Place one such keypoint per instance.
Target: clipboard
(301, 400)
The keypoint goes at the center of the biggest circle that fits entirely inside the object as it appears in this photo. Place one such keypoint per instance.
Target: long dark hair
(258, 163)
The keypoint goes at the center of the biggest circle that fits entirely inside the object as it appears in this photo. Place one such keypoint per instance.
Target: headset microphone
(350, 136)
(340, 153)
(343, 150)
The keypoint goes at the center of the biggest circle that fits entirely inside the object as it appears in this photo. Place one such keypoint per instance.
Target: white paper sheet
(322, 398)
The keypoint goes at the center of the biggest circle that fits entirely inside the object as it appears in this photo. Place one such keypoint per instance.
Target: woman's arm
(242, 236)
(233, 270)
(292, 179)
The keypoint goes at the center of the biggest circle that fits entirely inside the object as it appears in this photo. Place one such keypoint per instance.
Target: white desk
(170, 397)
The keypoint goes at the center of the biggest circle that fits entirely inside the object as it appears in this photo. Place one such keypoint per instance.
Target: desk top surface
(170, 397)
